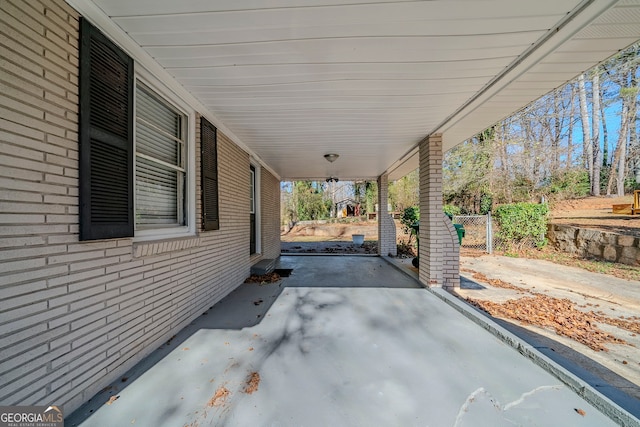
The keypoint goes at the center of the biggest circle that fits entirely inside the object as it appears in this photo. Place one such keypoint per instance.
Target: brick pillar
(386, 225)
(432, 231)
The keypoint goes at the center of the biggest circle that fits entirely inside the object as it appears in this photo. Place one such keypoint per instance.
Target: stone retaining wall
(594, 243)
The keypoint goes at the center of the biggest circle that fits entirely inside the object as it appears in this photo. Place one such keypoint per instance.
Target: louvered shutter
(209, 161)
(106, 137)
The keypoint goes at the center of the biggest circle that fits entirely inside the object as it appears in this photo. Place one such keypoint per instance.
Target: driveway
(343, 341)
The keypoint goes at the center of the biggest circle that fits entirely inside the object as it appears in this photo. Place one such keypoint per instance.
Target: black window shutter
(106, 137)
(209, 162)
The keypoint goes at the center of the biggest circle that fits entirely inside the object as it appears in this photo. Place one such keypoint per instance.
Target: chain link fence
(481, 233)
(477, 231)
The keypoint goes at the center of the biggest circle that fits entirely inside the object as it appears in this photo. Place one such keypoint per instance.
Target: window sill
(156, 247)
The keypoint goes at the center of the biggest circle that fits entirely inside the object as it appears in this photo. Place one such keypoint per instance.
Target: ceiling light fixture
(331, 157)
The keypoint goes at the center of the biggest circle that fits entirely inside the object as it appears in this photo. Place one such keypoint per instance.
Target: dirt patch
(596, 213)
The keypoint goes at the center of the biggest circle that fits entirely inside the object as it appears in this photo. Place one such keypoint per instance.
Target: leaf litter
(263, 279)
(252, 383)
(558, 314)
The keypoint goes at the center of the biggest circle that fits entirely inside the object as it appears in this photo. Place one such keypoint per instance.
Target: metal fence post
(489, 233)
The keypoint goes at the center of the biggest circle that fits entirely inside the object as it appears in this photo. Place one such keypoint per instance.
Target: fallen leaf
(219, 398)
(112, 399)
(580, 411)
(252, 383)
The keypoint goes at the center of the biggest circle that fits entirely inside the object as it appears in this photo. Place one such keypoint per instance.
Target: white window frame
(161, 91)
(252, 180)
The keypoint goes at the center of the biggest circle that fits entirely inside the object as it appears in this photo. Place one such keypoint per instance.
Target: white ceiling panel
(291, 80)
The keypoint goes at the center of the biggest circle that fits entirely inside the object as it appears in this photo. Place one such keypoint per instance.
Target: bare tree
(572, 113)
(537, 150)
(587, 151)
(594, 179)
(623, 71)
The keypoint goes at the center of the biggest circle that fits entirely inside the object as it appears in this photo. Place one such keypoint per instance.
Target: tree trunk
(586, 130)
(634, 148)
(622, 163)
(617, 163)
(572, 112)
(505, 173)
(597, 152)
(559, 117)
(605, 134)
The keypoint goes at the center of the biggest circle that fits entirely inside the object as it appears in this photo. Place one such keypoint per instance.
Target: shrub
(451, 210)
(409, 217)
(522, 223)
(570, 184)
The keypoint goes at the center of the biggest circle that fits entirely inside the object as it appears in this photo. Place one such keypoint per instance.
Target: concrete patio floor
(343, 341)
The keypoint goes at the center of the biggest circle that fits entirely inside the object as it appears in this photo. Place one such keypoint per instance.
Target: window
(160, 162)
(136, 171)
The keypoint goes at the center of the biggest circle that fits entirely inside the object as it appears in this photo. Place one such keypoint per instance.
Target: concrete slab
(615, 372)
(343, 341)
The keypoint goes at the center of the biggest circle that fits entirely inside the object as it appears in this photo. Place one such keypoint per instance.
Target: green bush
(570, 184)
(486, 203)
(451, 210)
(522, 223)
(409, 217)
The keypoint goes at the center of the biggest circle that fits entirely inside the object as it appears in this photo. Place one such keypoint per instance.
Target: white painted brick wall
(76, 315)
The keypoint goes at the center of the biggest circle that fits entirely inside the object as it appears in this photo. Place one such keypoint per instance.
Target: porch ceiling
(293, 80)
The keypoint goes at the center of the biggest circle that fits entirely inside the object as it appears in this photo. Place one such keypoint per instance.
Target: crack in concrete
(485, 401)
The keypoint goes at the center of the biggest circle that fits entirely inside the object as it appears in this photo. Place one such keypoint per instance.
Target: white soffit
(296, 79)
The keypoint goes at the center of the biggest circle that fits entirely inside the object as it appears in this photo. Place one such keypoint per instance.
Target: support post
(439, 249)
(386, 225)
(431, 231)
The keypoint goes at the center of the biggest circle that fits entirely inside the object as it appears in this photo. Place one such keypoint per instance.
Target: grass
(622, 271)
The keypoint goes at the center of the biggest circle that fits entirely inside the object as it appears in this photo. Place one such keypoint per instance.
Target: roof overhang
(292, 80)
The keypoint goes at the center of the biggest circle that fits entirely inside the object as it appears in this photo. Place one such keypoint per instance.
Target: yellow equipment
(629, 209)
